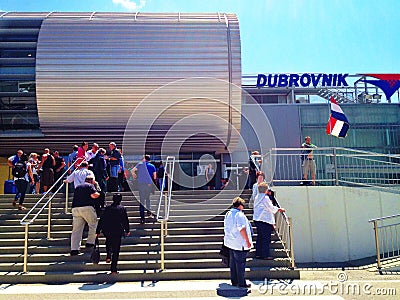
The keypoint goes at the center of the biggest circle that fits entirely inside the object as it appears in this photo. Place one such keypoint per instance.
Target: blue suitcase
(9, 187)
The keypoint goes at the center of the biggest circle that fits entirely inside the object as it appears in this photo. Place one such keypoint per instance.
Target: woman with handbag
(114, 224)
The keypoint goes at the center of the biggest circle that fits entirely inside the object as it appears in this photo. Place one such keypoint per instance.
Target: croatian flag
(338, 123)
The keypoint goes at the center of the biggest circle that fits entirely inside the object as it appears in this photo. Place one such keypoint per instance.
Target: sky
(281, 36)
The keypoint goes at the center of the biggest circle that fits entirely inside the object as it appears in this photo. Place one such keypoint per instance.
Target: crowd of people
(95, 171)
(37, 173)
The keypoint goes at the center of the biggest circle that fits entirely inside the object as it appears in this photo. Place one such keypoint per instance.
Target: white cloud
(130, 5)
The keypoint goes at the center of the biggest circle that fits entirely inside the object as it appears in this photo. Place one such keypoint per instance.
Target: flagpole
(329, 121)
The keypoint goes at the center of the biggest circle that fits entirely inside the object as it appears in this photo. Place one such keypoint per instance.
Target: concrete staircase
(194, 238)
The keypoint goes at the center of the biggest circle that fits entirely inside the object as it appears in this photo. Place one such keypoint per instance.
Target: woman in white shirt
(264, 219)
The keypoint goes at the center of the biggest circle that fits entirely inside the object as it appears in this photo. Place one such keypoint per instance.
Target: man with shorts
(307, 157)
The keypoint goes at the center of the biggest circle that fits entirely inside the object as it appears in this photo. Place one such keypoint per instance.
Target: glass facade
(18, 40)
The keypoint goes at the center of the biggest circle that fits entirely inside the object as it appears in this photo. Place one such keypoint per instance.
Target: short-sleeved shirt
(14, 159)
(234, 222)
(145, 172)
(72, 159)
(79, 176)
(116, 154)
(264, 210)
(59, 161)
(82, 195)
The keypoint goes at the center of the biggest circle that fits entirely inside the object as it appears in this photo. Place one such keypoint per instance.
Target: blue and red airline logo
(388, 83)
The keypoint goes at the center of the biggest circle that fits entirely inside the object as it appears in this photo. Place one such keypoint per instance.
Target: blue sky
(293, 36)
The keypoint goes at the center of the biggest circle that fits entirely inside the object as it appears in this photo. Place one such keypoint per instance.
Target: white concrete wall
(330, 224)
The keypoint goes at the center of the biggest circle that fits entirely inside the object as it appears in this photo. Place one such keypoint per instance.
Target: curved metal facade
(93, 72)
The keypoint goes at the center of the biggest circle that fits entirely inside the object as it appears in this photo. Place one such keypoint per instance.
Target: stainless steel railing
(335, 166)
(30, 217)
(284, 230)
(387, 238)
(164, 204)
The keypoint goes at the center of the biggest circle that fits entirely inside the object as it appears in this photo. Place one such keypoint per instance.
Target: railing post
(26, 248)
(378, 254)
(166, 214)
(66, 198)
(162, 244)
(292, 264)
(49, 221)
(336, 168)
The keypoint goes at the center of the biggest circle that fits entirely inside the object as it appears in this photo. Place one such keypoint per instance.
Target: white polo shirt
(264, 210)
(235, 220)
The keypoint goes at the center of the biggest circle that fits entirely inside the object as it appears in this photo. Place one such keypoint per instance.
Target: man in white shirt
(92, 153)
(78, 177)
(237, 238)
(264, 220)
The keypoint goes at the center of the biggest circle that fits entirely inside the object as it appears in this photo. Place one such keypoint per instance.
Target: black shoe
(89, 245)
(74, 252)
(247, 285)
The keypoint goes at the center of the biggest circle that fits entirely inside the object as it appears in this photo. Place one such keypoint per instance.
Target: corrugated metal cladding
(93, 72)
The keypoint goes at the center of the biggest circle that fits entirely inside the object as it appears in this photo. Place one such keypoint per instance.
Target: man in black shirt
(83, 211)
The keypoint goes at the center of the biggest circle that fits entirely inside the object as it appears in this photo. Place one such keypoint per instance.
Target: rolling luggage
(9, 187)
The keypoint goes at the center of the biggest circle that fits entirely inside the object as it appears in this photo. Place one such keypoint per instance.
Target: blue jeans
(22, 186)
(264, 231)
(144, 195)
(114, 171)
(237, 264)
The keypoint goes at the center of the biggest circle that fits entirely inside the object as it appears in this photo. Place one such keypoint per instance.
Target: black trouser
(264, 231)
(113, 246)
(112, 184)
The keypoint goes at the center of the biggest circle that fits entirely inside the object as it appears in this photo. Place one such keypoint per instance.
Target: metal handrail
(384, 218)
(386, 248)
(334, 166)
(169, 170)
(285, 234)
(169, 175)
(48, 202)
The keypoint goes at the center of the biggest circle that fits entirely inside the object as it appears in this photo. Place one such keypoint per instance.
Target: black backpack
(19, 169)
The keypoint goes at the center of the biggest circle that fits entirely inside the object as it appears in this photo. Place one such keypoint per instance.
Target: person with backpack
(22, 172)
(114, 224)
(12, 160)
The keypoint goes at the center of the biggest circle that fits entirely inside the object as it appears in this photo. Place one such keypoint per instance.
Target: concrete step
(183, 256)
(195, 235)
(139, 275)
(149, 265)
(126, 247)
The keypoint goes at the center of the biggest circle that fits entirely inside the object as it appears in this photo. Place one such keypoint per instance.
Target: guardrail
(25, 222)
(164, 204)
(334, 166)
(387, 238)
(283, 225)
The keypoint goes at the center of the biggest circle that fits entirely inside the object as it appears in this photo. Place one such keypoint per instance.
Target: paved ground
(330, 283)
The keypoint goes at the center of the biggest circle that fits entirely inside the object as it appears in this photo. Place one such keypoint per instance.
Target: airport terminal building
(72, 77)
(172, 84)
